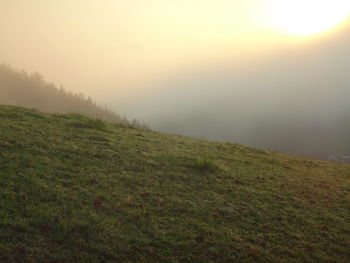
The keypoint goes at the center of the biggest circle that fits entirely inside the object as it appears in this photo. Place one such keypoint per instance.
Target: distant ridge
(19, 88)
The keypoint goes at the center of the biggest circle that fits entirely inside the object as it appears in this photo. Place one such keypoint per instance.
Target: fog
(295, 100)
(212, 69)
(109, 49)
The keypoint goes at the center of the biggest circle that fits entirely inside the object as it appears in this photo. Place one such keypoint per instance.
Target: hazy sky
(115, 49)
(111, 45)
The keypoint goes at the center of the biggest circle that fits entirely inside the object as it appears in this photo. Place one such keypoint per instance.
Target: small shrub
(124, 125)
(205, 165)
(89, 123)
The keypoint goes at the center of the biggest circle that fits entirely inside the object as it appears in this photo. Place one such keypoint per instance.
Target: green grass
(74, 189)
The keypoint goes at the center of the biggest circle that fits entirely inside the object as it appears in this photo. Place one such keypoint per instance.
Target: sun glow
(307, 17)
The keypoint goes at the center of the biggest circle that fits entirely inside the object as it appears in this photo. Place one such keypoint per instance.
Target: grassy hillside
(74, 189)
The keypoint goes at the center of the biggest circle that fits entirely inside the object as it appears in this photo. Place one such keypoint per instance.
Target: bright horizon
(306, 18)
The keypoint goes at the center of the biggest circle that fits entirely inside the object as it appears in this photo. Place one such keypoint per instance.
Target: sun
(307, 17)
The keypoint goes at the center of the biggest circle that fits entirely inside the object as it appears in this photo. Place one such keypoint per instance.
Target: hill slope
(18, 88)
(75, 189)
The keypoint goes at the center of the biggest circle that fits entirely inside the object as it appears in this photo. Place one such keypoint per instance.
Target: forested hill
(19, 88)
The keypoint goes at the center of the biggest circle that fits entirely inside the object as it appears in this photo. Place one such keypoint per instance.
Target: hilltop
(31, 90)
(75, 189)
